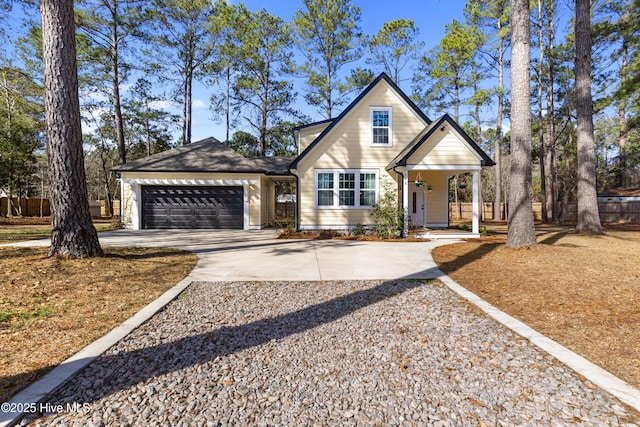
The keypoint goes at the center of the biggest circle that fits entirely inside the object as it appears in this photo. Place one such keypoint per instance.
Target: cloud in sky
(198, 103)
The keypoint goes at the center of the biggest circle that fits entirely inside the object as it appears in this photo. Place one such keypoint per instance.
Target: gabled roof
(351, 106)
(407, 152)
(207, 155)
(313, 124)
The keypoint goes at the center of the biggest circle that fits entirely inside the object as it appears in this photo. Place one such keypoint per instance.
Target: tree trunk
(117, 110)
(264, 115)
(107, 185)
(541, 140)
(227, 107)
(329, 89)
(622, 121)
(588, 216)
(72, 233)
(521, 230)
(497, 211)
(551, 171)
(187, 105)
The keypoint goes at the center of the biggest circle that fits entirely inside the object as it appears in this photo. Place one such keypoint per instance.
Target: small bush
(359, 230)
(387, 216)
(328, 234)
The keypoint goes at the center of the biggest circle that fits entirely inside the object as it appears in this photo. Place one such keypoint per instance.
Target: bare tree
(72, 233)
(588, 216)
(521, 231)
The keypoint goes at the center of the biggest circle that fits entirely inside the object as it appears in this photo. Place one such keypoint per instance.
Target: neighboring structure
(381, 142)
(621, 195)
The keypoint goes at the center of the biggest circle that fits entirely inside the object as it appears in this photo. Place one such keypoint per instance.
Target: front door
(417, 205)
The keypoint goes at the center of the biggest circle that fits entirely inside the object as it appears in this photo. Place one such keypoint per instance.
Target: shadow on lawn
(12, 384)
(479, 252)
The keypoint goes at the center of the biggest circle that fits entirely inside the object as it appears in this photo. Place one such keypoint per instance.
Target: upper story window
(381, 126)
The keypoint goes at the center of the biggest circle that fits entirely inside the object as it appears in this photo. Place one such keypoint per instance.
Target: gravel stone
(366, 353)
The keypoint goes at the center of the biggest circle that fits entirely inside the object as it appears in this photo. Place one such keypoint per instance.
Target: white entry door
(417, 205)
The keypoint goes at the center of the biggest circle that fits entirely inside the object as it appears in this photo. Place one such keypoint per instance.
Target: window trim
(336, 190)
(390, 127)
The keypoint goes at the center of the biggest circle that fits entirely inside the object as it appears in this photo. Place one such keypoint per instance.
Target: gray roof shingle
(207, 155)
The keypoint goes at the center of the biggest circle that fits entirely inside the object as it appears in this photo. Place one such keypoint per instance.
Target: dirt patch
(341, 235)
(581, 290)
(50, 308)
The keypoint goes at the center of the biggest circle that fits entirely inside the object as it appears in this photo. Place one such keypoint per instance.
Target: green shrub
(359, 230)
(387, 216)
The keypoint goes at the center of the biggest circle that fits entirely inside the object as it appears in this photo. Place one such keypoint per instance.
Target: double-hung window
(381, 126)
(324, 188)
(346, 188)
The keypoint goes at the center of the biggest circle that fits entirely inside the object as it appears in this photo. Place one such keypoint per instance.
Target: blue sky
(430, 17)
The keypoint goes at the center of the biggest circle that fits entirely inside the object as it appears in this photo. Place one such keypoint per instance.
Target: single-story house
(381, 142)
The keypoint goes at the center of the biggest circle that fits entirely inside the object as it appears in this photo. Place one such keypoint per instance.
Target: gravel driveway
(329, 353)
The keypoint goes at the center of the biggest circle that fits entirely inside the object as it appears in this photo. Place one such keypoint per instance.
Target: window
(325, 189)
(354, 189)
(367, 189)
(347, 195)
(381, 126)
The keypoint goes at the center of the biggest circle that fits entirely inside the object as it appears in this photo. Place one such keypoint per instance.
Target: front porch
(424, 195)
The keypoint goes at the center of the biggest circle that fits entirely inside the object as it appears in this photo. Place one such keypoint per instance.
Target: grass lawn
(580, 290)
(50, 308)
(33, 228)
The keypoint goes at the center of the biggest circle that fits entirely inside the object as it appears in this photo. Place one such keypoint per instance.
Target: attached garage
(202, 185)
(199, 207)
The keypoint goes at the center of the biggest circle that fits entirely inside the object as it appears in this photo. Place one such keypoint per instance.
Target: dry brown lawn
(19, 229)
(581, 290)
(50, 308)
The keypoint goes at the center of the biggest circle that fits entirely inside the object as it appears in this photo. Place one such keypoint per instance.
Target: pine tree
(72, 232)
(521, 230)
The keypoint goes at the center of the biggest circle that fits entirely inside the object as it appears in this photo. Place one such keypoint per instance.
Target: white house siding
(347, 146)
(309, 133)
(437, 203)
(444, 148)
(444, 154)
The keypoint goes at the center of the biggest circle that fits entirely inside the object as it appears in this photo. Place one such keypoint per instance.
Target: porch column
(475, 226)
(405, 203)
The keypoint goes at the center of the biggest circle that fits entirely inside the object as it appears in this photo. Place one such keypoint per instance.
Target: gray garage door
(192, 207)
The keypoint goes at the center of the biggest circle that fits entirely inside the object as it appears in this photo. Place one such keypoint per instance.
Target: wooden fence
(103, 208)
(285, 210)
(466, 211)
(25, 207)
(625, 212)
(31, 207)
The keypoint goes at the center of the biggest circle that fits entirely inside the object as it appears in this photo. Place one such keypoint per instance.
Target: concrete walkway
(260, 255)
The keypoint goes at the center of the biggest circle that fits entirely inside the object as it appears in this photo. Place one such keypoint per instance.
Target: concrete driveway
(227, 255)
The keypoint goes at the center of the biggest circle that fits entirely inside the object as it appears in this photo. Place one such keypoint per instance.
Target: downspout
(297, 200)
(404, 212)
(399, 175)
(448, 201)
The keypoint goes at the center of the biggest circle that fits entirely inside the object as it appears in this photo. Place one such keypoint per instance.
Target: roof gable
(335, 122)
(428, 132)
